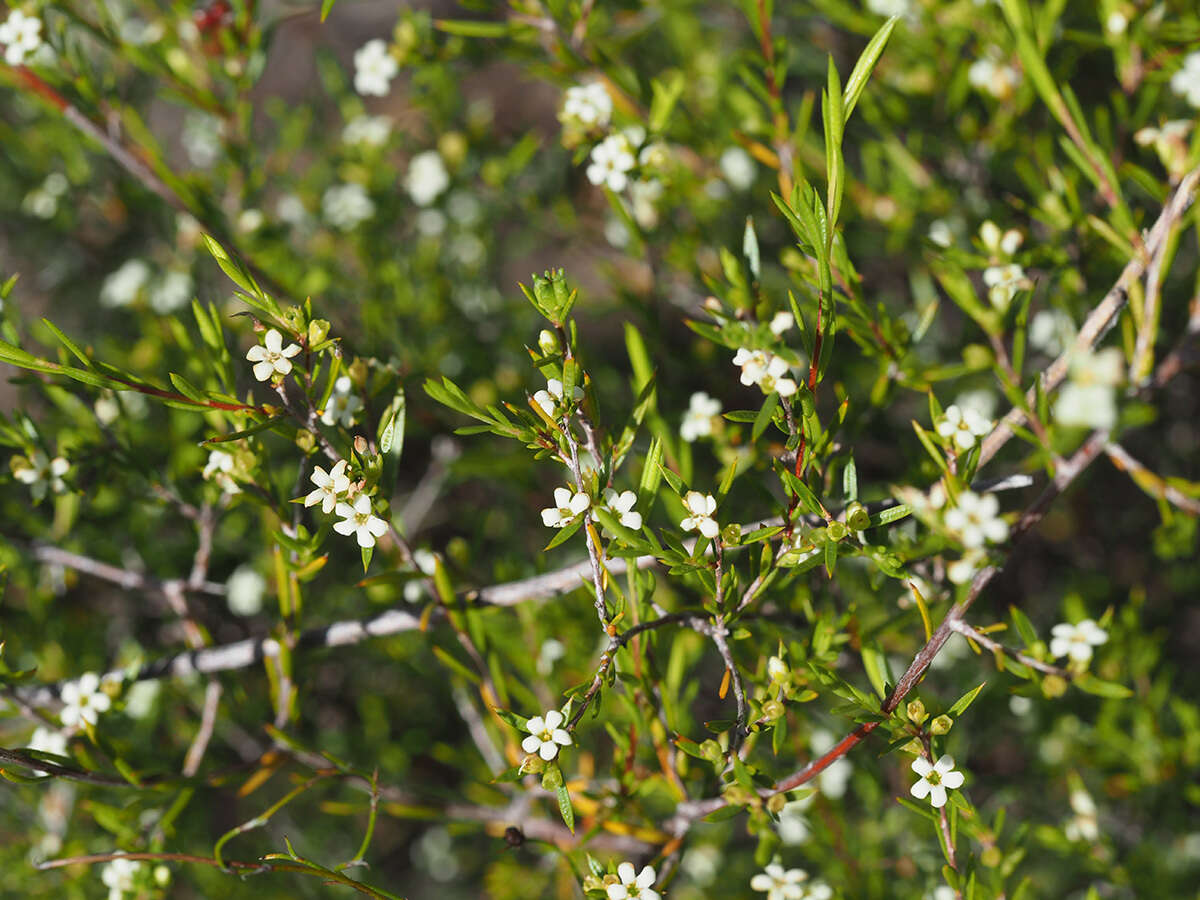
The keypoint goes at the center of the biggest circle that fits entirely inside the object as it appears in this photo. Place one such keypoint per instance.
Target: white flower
(42, 474)
(940, 233)
(139, 699)
(789, 884)
(738, 168)
(622, 507)
(1089, 398)
(219, 468)
(551, 398)
(998, 79)
(777, 669)
(171, 292)
(427, 177)
(1185, 82)
(612, 160)
(701, 506)
(963, 425)
(765, 370)
(119, 876)
(1076, 641)
(358, 520)
(347, 206)
(999, 243)
(793, 826)
(552, 651)
(545, 735)
(567, 507)
(83, 701)
(643, 195)
(244, 591)
(976, 520)
(374, 68)
(963, 570)
(1050, 330)
(343, 404)
(781, 322)
(935, 778)
(290, 209)
(698, 420)
(123, 286)
(202, 139)
(889, 7)
(372, 131)
(1084, 826)
(588, 105)
(1003, 282)
(981, 400)
(271, 357)
(631, 885)
(655, 156)
(331, 486)
(464, 208)
(21, 35)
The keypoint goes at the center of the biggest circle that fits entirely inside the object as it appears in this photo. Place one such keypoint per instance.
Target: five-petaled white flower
(552, 397)
(119, 875)
(1089, 398)
(976, 519)
(639, 885)
(83, 701)
(701, 506)
(1003, 282)
(21, 36)
(545, 735)
(1076, 641)
(330, 486)
(219, 468)
(427, 177)
(358, 520)
(566, 508)
(342, 405)
(271, 357)
(935, 778)
(41, 473)
(789, 884)
(963, 425)
(588, 105)
(698, 420)
(346, 206)
(374, 68)
(622, 506)
(1185, 82)
(765, 370)
(612, 160)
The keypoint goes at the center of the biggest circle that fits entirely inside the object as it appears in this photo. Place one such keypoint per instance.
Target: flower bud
(772, 709)
(941, 725)
(731, 534)
(776, 803)
(777, 669)
(318, 330)
(1054, 686)
(711, 751)
(360, 444)
(916, 711)
(857, 516)
(453, 147)
(736, 795)
(532, 764)
(552, 778)
(548, 342)
(837, 531)
(991, 857)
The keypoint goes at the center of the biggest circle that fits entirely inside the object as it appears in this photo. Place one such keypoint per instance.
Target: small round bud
(731, 534)
(773, 709)
(532, 764)
(941, 725)
(360, 444)
(1054, 686)
(916, 711)
(453, 147)
(837, 531)
(162, 876)
(552, 778)
(736, 795)
(548, 342)
(777, 669)
(857, 516)
(711, 751)
(776, 803)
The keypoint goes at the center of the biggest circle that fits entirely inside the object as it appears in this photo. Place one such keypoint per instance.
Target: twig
(1150, 482)
(996, 647)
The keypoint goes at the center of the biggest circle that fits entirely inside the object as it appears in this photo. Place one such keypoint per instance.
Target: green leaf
(391, 434)
(961, 704)
(247, 432)
(850, 481)
(1024, 626)
(891, 514)
(471, 28)
(326, 6)
(865, 66)
(763, 419)
(1093, 685)
(564, 808)
(564, 534)
(875, 667)
(68, 343)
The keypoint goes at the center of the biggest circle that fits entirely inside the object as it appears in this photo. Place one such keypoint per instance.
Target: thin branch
(1150, 482)
(996, 647)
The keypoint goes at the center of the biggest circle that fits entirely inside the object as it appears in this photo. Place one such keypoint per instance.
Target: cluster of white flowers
(373, 131)
(934, 779)
(123, 286)
(21, 36)
(611, 162)
(993, 76)
(343, 404)
(698, 420)
(587, 106)
(271, 358)
(119, 876)
(551, 399)
(41, 473)
(633, 884)
(546, 735)
(1089, 398)
(42, 201)
(1186, 82)
(83, 701)
(346, 206)
(976, 520)
(789, 884)
(1076, 641)
(568, 506)
(701, 506)
(219, 468)
(766, 370)
(374, 68)
(333, 489)
(962, 426)
(427, 177)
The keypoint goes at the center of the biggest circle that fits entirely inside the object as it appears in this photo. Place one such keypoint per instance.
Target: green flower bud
(837, 531)
(1054, 686)
(548, 342)
(552, 778)
(776, 803)
(772, 709)
(711, 751)
(857, 516)
(916, 711)
(318, 330)
(731, 534)
(941, 725)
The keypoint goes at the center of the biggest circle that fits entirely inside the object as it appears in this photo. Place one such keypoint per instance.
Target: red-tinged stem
(836, 752)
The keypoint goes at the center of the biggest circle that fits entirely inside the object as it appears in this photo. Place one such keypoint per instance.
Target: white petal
(283, 366)
(632, 520)
(562, 497)
(257, 353)
(88, 682)
(645, 878)
(551, 518)
(531, 744)
(626, 873)
(617, 892)
(290, 350)
(953, 780)
(709, 528)
(553, 719)
(536, 725)
(944, 764)
(937, 796)
(273, 341)
(922, 766)
(346, 526)
(366, 540)
(548, 750)
(561, 737)
(263, 370)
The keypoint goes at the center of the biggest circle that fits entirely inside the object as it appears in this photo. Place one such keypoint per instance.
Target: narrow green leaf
(470, 28)
(564, 808)
(961, 704)
(865, 66)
